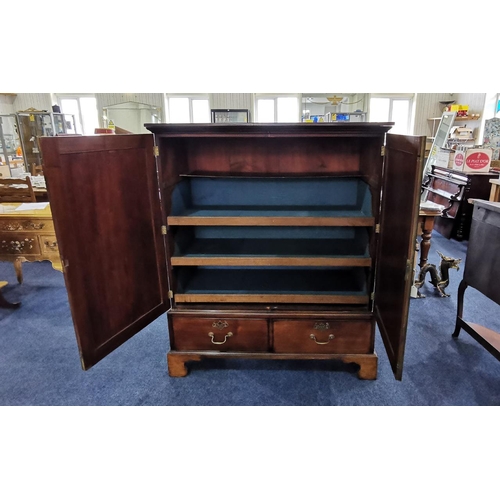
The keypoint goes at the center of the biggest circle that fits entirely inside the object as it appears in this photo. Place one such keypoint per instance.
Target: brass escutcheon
(220, 325)
(321, 326)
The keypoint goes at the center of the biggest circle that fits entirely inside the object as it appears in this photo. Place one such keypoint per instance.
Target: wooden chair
(16, 191)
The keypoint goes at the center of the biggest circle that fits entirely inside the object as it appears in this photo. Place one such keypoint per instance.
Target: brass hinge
(170, 294)
(377, 228)
(163, 229)
(156, 151)
(382, 151)
(372, 296)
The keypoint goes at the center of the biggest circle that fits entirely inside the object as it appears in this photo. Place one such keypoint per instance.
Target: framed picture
(230, 116)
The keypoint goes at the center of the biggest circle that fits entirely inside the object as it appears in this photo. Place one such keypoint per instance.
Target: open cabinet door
(403, 168)
(104, 196)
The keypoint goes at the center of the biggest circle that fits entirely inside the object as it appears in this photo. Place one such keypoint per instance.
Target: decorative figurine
(439, 280)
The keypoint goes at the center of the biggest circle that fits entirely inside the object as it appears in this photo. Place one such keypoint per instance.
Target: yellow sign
(111, 125)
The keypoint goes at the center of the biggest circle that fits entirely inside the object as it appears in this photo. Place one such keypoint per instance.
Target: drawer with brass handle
(201, 334)
(323, 337)
(49, 245)
(19, 244)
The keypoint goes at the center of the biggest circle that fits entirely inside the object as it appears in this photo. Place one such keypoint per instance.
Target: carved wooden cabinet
(278, 241)
(27, 236)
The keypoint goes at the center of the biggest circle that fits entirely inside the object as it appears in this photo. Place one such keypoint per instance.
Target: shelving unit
(435, 123)
(284, 225)
(264, 242)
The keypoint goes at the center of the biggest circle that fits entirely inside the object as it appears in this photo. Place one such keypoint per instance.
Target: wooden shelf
(320, 285)
(269, 252)
(458, 118)
(271, 216)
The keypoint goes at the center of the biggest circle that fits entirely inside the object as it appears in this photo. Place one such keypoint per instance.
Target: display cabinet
(260, 241)
(230, 116)
(11, 147)
(33, 125)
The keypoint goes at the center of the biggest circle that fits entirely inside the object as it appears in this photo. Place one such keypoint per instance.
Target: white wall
(40, 102)
(427, 106)
(6, 104)
(232, 101)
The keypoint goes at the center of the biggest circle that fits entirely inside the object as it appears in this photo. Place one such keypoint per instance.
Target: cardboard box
(461, 109)
(442, 158)
(458, 161)
(477, 160)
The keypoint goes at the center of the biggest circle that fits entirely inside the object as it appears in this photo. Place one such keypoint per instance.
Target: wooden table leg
(18, 266)
(427, 227)
(4, 303)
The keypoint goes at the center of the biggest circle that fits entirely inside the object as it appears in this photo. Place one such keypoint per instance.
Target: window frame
(395, 97)
(60, 97)
(275, 98)
(191, 98)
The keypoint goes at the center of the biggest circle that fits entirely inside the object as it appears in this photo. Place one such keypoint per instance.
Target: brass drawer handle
(51, 245)
(313, 337)
(212, 335)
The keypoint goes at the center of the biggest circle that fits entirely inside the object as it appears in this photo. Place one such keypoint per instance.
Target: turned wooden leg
(460, 308)
(425, 246)
(18, 266)
(177, 363)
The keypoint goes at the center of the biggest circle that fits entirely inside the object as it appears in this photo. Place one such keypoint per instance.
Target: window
(84, 109)
(395, 109)
(277, 108)
(188, 109)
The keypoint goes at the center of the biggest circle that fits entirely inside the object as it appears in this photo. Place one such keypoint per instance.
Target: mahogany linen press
(263, 241)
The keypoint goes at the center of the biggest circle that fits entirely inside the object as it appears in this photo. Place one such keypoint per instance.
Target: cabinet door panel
(104, 197)
(403, 169)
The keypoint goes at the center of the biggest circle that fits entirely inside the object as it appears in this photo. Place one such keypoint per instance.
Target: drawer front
(49, 245)
(219, 334)
(323, 337)
(19, 244)
(27, 225)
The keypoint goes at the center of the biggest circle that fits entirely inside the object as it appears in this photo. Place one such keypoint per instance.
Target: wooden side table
(27, 236)
(425, 227)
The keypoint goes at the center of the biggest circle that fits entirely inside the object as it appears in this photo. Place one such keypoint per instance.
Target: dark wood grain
(111, 197)
(231, 334)
(320, 336)
(106, 211)
(399, 217)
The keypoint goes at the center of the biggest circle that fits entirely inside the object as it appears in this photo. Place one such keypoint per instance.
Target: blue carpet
(39, 362)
